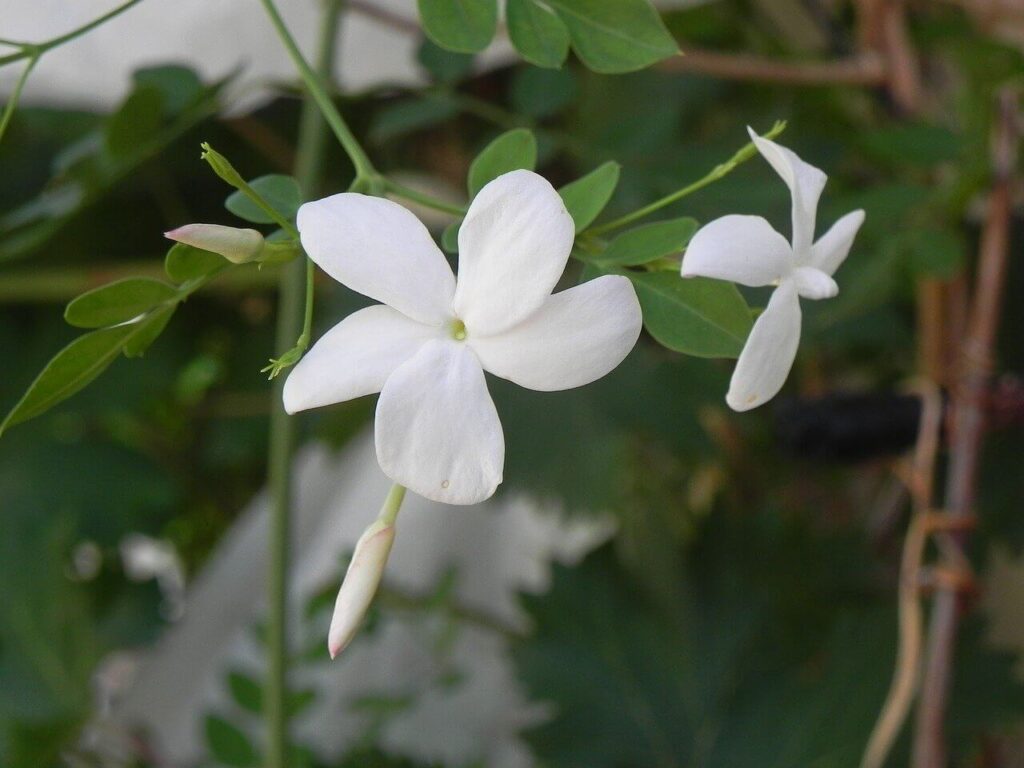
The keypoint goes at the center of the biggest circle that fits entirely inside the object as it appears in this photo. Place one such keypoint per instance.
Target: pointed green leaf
(537, 33)
(180, 86)
(613, 36)
(511, 151)
(228, 745)
(696, 316)
(150, 328)
(117, 302)
(649, 242)
(246, 692)
(586, 197)
(185, 263)
(70, 370)
(280, 191)
(444, 66)
(136, 121)
(410, 115)
(466, 26)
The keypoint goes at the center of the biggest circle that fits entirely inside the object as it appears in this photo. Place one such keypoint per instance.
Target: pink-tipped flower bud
(238, 246)
(360, 584)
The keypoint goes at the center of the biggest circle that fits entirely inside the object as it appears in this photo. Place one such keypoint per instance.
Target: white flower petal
(832, 248)
(576, 337)
(355, 358)
(360, 585)
(513, 246)
(769, 352)
(805, 183)
(437, 430)
(381, 250)
(812, 283)
(741, 249)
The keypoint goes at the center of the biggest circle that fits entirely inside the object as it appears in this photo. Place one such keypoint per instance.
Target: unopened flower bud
(238, 246)
(360, 584)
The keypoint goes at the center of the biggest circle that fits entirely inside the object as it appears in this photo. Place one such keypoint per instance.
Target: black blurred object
(846, 427)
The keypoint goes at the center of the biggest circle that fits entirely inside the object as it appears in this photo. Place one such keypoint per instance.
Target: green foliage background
(744, 613)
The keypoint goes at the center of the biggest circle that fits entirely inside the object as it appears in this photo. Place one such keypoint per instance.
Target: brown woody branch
(967, 412)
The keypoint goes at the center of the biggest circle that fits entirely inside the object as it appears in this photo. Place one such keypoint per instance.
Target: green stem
(34, 50)
(423, 199)
(365, 172)
(392, 503)
(295, 312)
(744, 154)
(12, 103)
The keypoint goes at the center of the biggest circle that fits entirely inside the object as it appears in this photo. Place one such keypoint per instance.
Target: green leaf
(613, 36)
(443, 66)
(149, 329)
(466, 26)
(185, 262)
(450, 237)
(933, 252)
(649, 242)
(179, 85)
(280, 191)
(537, 33)
(70, 370)
(246, 692)
(541, 92)
(511, 151)
(696, 316)
(413, 114)
(117, 302)
(228, 745)
(135, 122)
(300, 700)
(586, 197)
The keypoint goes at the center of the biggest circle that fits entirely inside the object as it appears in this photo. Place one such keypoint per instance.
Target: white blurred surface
(496, 549)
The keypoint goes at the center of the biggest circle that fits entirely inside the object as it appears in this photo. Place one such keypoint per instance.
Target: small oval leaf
(511, 151)
(280, 191)
(466, 26)
(246, 692)
(615, 36)
(185, 263)
(450, 237)
(118, 302)
(586, 197)
(649, 242)
(149, 329)
(538, 34)
(70, 370)
(696, 316)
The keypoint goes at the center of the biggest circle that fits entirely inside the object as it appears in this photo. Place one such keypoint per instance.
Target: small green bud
(222, 166)
(238, 246)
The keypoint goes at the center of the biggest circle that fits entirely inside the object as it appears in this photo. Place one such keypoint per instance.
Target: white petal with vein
(742, 249)
(354, 358)
(381, 250)
(437, 430)
(576, 337)
(513, 245)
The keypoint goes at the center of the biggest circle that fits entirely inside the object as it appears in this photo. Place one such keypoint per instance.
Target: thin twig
(907, 669)
(967, 426)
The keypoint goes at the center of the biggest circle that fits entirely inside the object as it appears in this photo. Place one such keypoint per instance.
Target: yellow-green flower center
(458, 330)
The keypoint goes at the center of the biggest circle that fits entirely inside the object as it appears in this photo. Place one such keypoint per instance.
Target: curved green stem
(392, 503)
(12, 102)
(423, 199)
(295, 312)
(314, 84)
(744, 154)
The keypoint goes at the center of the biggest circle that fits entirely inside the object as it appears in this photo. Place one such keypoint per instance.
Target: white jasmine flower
(425, 349)
(747, 250)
